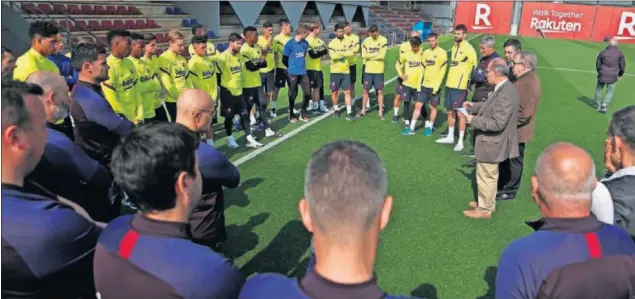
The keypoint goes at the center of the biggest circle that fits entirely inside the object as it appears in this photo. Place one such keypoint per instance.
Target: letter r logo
(627, 23)
(482, 14)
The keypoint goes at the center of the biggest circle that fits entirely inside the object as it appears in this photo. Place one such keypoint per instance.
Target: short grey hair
(488, 41)
(530, 60)
(613, 41)
(623, 126)
(562, 187)
(345, 186)
(500, 68)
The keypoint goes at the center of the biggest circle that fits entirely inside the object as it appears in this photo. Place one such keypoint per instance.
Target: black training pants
(256, 96)
(511, 172)
(234, 105)
(305, 84)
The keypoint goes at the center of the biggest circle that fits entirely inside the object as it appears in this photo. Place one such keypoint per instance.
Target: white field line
(297, 130)
(575, 70)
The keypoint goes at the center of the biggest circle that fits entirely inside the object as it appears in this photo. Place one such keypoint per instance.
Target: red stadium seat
(153, 24)
(68, 25)
(107, 24)
(100, 10)
(141, 24)
(111, 10)
(81, 25)
(122, 10)
(119, 24)
(29, 8)
(59, 8)
(94, 25)
(133, 10)
(103, 40)
(87, 10)
(46, 8)
(130, 24)
(160, 38)
(73, 9)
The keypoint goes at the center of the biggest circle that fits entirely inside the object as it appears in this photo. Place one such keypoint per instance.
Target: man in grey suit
(494, 122)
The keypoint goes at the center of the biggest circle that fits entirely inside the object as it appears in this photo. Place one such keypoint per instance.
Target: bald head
(194, 108)
(56, 98)
(565, 172)
(613, 41)
(49, 81)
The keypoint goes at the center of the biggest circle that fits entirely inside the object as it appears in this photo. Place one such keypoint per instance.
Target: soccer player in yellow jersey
(434, 61)
(374, 50)
(403, 49)
(254, 60)
(354, 43)
(267, 74)
(152, 62)
(317, 49)
(339, 52)
(231, 66)
(148, 84)
(279, 41)
(173, 72)
(120, 90)
(411, 72)
(201, 31)
(44, 40)
(203, 76)
(462, 62)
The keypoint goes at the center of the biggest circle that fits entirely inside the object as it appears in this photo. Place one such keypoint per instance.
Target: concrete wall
(207, 13)
(15, 31)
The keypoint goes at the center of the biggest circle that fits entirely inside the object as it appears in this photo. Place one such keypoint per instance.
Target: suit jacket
(494, 124)
(529, 91)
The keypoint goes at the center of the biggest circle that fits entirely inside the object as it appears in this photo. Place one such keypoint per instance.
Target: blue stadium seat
(185, 23)
(169, 10)
(210, 34)
(222, 47)
(331, 35)
(178, 11)
(193, 22)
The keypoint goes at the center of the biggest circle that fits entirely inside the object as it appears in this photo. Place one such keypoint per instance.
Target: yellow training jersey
(174, 75)
(412, 67)
(316, 44)
(462, 62)
(31, 62)
(153, 64)
(267, 48)
(248, 53)
(203, 74)
(278, 47)
(211, 49)
(434, 63)
(354, 43)
(373, 54)
(148, 85)
(231, 72)
(69, 54)
(339, 53)
(121, 90)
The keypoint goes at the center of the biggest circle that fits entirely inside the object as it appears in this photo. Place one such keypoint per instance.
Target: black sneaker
(395, 119)
(602, 109)
(351, 117)
(337, 113)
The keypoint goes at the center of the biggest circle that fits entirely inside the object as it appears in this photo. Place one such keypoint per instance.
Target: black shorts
(316, 78)
(281, 78)
(454, 98)
(399, 86)
(373, 80)
(232, 104)
(254, 95)
(427, 97)
(409, 94)
(353, 71)
(340, 81)
(268, 81)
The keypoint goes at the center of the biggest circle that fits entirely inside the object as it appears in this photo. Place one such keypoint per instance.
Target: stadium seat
(87, 10)
(193, 22)
(141, 24)
(29, 8)
(122, 10)
(94, 25)
(103, 40)
(107, 24)
(161, 38)
(119, 24)
(133, 10)
(46, 8)
(111, 10)
(130, 24)
(185, 23)
(331, 35)
(222, 47)
(210, 34)
(152, 24)
(73, 9)
(169, 10)
(81, 25)
(59, 9)
(68, 25)
(100, 10)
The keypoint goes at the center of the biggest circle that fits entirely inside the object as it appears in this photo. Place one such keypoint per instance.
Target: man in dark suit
(529, 91)
(494, 122)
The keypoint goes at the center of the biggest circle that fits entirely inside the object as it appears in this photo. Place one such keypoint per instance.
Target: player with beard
(374, 50)
(339, 53)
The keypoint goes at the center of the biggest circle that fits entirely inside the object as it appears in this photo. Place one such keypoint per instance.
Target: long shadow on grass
(586, 100)
(284, 252)
(242, 239)
(237, 196)
(490, 278)
(425, 291)
(471, 175)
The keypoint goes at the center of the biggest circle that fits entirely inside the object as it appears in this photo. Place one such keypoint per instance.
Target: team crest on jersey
(180, 72)
(430, 62)
(373, 50)
(235, 69)
(207, 74)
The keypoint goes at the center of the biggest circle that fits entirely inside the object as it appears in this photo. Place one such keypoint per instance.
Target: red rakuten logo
(627, 25)
(482, 15)
(555, 21)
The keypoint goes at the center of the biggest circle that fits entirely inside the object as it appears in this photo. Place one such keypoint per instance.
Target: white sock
(451, 132)
(252, 118)
(272, 105)
(396, 111)
(461, 134)
(349, 109)
(427, 124)
(413, 124)
(322, 103)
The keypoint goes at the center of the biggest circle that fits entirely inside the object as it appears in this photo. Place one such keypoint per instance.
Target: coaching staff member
(529, 91)
(151, 254)
(610, 65)
(494, 122)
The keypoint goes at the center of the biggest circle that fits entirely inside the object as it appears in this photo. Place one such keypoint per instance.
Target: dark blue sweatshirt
(63, 63)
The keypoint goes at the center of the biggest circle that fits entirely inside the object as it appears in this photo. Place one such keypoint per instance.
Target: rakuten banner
(614, 21)
(488, 17)
(557, 20)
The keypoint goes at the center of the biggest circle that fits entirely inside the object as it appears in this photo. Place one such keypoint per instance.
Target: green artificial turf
(429, 249)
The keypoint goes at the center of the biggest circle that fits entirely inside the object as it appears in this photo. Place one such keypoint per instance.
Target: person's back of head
(156, 166)
(563, 181)
(195, 110)
(23, 130)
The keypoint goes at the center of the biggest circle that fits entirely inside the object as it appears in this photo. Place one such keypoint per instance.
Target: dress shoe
(505, 196)
(477, 214)
(474, 205)
(471, 163)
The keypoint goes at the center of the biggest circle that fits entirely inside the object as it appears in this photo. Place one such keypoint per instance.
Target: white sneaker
(272, 114)
(446, 140)
(251, 142)
(458, 147)
(323, 108)
(308, 108)
(270, 133)
(252, 122)
(231, 142)
(296, 111)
